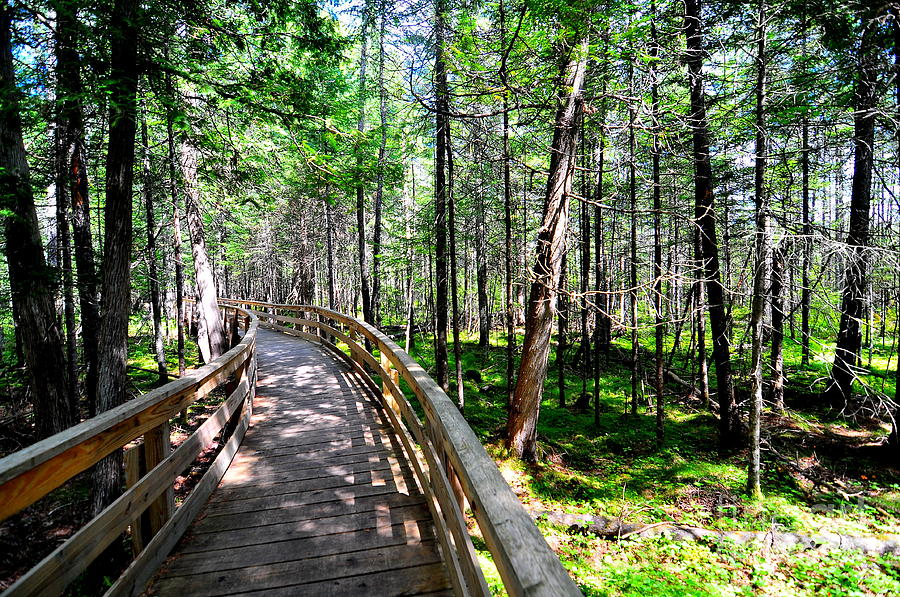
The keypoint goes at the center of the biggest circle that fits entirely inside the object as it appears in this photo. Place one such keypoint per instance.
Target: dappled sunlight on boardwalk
(318, 501)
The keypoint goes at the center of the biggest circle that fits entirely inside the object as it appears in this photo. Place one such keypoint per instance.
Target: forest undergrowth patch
(823, 473)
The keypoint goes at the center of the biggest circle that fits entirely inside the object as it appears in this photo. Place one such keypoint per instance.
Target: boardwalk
(318, 500)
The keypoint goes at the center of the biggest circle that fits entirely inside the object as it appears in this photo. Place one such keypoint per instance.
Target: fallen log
(614, 528)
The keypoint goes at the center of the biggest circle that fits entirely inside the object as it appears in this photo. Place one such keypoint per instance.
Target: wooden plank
(349, 487)
(292, 549)
(310, 453)
(379, 518)
(262, 481)
(242, 520)
(253, 490)
(364, 437)
(288, 462)
(293, 500)
(336, 447)
(428, 579)
(285, 574)
(322, 425)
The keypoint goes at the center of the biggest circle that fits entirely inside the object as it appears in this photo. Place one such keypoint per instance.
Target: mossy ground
(616, 469)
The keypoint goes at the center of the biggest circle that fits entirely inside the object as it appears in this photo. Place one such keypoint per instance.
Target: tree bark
(730, 434)
(523, 414)
(776, 388)
(562, 329)
(454, 298)
(757, 312)
(379, 189)
(632, 250)
(63, 135)
(176, 229)
(212, 340)
(849, 340)
(69, 91)
(442, 126)
(481, 275)
(29, 275)
(64, 259)
(153, 274)
(113, 341)
(360, 191)
(659, 330)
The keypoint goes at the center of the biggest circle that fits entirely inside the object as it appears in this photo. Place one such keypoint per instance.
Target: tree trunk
(849, 340)
(776, 389)
(176, 228)
(481, 277)
(757, 312)
(155, 302)
(64, 258)
(379, 189)
(442, 125)
(602, 315)
(730, 434)
(113, 344)
(454, 299)
(507, 222)
(659, 330)
(805, 291)
(360, 191)
(410, 254)
(29, 274)
(632, 249)
(895, 432)
(584, 219)
(211, 339)
(562, 330)
(523, 414)
(64, 51)
(69, 92)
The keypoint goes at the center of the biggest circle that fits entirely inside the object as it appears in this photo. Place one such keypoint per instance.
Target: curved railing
(449, 462)
(29, 474)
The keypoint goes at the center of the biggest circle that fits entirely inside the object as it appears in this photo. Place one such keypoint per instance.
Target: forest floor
(832, 474)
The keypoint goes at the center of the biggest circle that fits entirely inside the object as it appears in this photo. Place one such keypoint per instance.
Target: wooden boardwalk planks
(318, 500)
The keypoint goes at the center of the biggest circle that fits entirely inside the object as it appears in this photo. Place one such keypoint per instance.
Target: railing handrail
(31, 473)
(526, 563)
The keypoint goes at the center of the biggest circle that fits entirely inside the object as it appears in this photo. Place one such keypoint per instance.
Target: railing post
(354, 335)
(440, 451)
(388, 370)
(133, 465)
(138, 462)
(157, 447)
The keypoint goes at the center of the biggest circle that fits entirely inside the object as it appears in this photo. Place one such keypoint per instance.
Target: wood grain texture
(526, 563)
(320, 499)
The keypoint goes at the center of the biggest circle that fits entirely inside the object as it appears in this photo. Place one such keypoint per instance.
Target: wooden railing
(29, 474)
(449, 462)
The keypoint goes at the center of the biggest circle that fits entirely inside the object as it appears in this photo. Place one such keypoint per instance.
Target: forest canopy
(585, 215)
